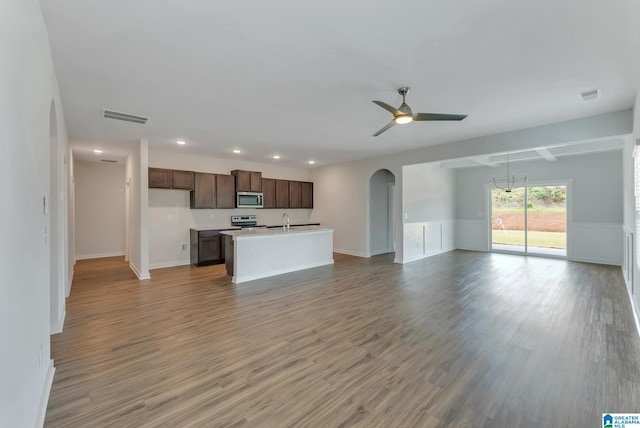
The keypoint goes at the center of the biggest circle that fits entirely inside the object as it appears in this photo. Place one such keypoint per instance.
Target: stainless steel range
(245, 221)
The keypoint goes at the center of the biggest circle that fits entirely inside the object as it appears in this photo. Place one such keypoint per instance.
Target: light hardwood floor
(462, 339)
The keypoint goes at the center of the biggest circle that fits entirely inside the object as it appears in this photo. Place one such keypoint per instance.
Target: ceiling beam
(545, 153)
(483, 160)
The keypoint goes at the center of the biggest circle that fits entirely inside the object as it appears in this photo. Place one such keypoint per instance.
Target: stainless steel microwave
(249, 200)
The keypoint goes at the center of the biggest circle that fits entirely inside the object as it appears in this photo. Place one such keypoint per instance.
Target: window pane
(507, 217)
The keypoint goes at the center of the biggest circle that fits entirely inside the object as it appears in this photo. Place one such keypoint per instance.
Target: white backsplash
(170, 219)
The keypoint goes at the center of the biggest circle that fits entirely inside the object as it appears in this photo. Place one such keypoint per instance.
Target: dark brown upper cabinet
(183, 180)
(282, 193)
(204, 191)
(307, 194)
(248, 181)
(295, 194)
(161, 178)
(225, 191)
(269, 192)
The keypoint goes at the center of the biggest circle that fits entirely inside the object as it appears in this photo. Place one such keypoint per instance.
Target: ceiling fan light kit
(401, 120)
(403, 114)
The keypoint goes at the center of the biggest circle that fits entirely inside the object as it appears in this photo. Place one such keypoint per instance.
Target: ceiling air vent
(110, 114)
(590, 95)
(108, 160)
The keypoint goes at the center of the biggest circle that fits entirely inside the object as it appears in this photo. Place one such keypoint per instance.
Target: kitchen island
(258, 253)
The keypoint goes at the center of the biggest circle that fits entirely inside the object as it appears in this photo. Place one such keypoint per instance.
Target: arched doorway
(381, 212)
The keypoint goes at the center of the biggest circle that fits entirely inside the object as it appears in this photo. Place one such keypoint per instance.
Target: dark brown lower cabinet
(207, 247)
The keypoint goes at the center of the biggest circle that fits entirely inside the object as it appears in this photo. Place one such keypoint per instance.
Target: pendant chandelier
(507, 184)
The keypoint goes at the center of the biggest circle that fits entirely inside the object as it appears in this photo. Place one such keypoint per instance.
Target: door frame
(568, 183)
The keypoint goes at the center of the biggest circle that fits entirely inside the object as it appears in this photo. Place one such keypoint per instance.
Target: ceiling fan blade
(387, 126)
(394, 111)
(436, 116)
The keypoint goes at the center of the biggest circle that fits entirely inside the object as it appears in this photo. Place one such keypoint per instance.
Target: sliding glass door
(509, 231)
(531, 219)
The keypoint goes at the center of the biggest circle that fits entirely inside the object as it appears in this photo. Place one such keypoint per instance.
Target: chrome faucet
(285, 226)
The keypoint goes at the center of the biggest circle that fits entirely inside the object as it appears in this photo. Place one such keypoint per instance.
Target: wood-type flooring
(462, 339)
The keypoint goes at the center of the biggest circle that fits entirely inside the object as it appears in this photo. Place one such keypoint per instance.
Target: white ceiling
(297, 78)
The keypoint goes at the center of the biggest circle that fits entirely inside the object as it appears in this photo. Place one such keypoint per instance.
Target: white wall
(28, 85)
(185, 161)
(100, 209)
(342, 203)
(596, 197)
(136, 212)
(170, 216)
(428, 196)
(341, 199)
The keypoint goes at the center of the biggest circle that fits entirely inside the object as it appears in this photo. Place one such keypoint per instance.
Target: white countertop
(275, 231)
(203, 228)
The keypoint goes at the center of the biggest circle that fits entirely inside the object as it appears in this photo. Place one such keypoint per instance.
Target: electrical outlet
(169, 217)
(184, 246)
(212, 216)
(40, 356)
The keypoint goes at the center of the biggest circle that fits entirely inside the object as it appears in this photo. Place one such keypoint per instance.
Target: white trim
(169, 264)
(138, 274)
(70, 282)
(55, 329)
(351, 253)
(634, 309)
(474, 225)
(425, 256)
(611, 229)
(237, 280)
(377, 253)
(44, 396)
(99, 256)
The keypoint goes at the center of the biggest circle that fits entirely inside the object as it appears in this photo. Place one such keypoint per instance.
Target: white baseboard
(378, 253)
(138, 273)
(471, 248)
(350, 253)
(44, 396)
(634, 309)
(69, 283)
(99, 256)
(170, 264)
(246, 278)
(593, 260)
(59, 324)
(423, 256)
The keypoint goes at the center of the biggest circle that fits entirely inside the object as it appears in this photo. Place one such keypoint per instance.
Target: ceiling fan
(403, 114)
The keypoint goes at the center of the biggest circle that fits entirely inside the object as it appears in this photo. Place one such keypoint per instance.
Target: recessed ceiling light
(236, 151)
(276, 156)
(182, 143)
(97, 152)
(312, 162)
